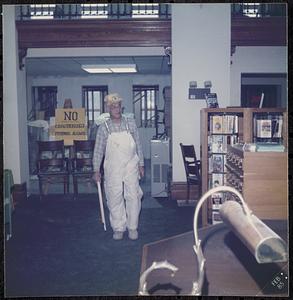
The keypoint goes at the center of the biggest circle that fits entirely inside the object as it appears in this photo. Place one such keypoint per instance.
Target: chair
(82, 165)
(192, 168)
(52, 166)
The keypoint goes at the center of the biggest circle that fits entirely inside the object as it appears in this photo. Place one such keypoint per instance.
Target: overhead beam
(93, 33)
(245, 31)
(266, 31)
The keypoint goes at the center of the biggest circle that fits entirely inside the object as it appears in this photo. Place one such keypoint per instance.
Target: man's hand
(141, 171)
(97, 176)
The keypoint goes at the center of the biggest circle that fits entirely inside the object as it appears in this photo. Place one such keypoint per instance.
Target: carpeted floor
(59, 247)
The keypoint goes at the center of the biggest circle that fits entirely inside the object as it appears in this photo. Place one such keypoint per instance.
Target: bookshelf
(223, 128)
(261, 177)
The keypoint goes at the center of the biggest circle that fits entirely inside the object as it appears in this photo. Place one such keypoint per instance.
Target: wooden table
(230, 269)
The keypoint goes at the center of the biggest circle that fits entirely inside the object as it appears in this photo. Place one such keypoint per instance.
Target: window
(42, 11)
(145, 10)
(272, 85)
(144, 102)
(251, 9)
(98, 11)
(44, 102)
(93, 101)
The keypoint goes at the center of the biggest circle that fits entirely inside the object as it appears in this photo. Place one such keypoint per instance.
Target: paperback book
(218, 163)
(264, 128)
(210, 164)
(216, 217)
(277, 125)
(217, 124)
(217, 179)
(216, 201)
(212, 100)
(217, 144)
(230, 124)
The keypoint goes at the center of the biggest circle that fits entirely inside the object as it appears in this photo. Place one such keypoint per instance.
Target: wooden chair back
(191, 164)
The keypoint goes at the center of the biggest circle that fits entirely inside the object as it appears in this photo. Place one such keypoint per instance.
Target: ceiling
(71, 66)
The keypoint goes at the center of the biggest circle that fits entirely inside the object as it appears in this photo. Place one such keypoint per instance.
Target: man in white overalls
(118, 139)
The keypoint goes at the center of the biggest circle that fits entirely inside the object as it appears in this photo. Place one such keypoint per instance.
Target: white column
(201, 38)
(14, 102)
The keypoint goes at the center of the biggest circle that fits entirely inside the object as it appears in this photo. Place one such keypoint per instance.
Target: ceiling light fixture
(109, 68)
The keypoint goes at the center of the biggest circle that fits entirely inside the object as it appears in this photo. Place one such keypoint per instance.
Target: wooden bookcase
(245, 134)
(261, 177)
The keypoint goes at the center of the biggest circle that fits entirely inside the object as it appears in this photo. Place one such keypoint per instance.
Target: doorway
(273, 86)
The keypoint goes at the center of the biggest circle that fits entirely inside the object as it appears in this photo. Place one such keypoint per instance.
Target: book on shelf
(224, 146)
(216, 217)
(261, 100)
(269, 147)
(277, 125)
(224, 124)
(249, 147)
(264, 128)
(210, 164)
(217, 144)
(230, 124)
(217, 179)
(217, 201)
(217, 124)
(218, 163)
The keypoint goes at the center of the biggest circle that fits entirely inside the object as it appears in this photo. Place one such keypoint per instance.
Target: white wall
(71, 87)
(200, 52)
(255, 60)
(14, 103)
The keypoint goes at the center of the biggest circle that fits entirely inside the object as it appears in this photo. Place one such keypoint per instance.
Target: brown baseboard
(179, 191)
(186, 202)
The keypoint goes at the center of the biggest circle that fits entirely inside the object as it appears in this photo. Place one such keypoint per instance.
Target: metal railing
(132, 11)
(94, 11)
(258, 9)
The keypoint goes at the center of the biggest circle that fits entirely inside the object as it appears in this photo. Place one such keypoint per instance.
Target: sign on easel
(70, 124)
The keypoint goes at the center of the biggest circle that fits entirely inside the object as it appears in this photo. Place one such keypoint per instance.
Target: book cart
(261, 177)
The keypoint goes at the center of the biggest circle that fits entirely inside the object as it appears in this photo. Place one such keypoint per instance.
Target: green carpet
(59, 247)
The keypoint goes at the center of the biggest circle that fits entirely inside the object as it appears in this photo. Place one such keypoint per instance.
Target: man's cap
(113, 99)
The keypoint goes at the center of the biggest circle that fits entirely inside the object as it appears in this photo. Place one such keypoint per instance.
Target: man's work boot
(118, 235)
(133, 234)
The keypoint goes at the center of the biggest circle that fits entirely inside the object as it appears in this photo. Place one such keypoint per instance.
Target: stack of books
(269, 147)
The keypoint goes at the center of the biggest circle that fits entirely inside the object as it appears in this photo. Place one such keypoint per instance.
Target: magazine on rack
(217, 179)
(212, 100)
(217, 200)
(219, 144)
(218, 163)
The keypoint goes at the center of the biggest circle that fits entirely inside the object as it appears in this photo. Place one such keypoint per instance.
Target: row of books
(218, 143)
(223, 129)
(269, 127)
(224, 124)
(217, 199)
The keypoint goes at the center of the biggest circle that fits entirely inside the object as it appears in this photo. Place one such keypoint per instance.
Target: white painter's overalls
(122, 175)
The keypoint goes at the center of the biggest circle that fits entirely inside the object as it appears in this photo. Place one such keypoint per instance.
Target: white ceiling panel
(71, 66)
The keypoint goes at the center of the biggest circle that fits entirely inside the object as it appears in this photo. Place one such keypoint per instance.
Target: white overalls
(122, 174)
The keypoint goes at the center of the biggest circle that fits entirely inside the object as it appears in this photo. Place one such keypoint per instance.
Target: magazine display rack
(221, 129)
